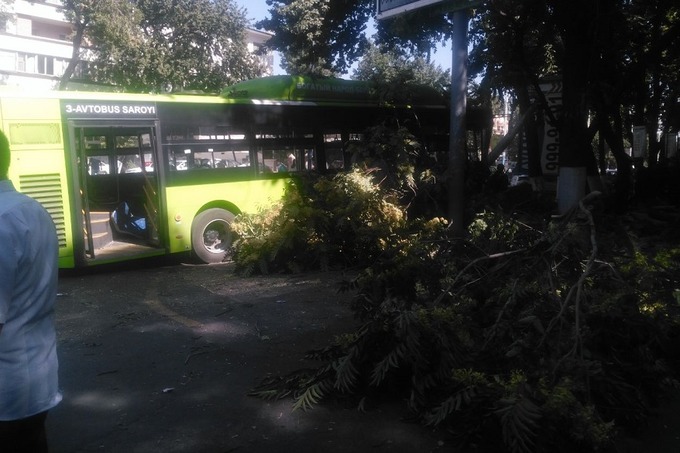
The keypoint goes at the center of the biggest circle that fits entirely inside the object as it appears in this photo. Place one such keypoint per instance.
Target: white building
(35, 45)
(256, 39)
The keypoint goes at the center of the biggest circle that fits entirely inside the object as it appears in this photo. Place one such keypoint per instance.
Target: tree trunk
(577, 22)
(75, 56)
(614, 137)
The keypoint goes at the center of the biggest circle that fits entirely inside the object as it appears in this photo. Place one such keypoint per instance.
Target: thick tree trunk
(576, 27)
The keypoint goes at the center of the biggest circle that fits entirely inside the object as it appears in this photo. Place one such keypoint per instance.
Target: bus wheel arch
(210, 234)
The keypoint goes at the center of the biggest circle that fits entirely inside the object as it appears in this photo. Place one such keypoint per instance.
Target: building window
(45, 65)
(40, 64)
(25, 62)
(7, 60)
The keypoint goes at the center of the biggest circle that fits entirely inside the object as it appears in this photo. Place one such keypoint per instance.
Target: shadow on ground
(161, 360)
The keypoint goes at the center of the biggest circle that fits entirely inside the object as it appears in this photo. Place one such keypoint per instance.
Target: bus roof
(13, 92)
(326, 90)
(281, 89)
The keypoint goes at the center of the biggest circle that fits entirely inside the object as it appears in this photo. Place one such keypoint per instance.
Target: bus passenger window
(301, 159)
(284, 161)
(335, 159)
(203, 160)
(310, 160)
(201, 157)
(265, 161)
(177, 158)
(337, 149)
(291, 162)
(232, 158)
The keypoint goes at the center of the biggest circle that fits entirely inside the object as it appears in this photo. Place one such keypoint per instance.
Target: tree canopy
(162, 45)
(4, 9)
(617, 61)
(393, 67)
(321, 37)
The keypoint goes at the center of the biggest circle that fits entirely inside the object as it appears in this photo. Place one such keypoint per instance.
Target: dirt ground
(160, 358)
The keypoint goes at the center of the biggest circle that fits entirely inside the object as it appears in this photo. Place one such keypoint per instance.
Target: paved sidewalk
(161, 360)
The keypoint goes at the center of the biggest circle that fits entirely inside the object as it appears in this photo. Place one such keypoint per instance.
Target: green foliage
(492, 230)
(5, 13)
(391, 155)
(319, 37)
(331, 221)
(160, 45)
(395, 69)
(524, 337)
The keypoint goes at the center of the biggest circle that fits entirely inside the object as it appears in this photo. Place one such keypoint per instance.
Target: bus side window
(265, 161)
(234, 156)
(333, 147)
(218, 156)
(337, 149)
(177, 159)
(309, 162)
(301, 159)
(285, 160)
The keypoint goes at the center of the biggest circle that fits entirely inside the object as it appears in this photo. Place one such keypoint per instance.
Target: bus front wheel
(210, 235)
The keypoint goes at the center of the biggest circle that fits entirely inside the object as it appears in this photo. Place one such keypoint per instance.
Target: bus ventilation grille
(47, 190)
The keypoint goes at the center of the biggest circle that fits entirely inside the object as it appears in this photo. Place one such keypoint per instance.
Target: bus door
(119, 191)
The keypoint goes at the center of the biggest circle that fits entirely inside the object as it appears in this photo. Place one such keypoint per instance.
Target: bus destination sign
(103, 109)
(390, 8)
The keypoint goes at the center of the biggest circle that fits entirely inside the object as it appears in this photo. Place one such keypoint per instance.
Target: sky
(257, 10)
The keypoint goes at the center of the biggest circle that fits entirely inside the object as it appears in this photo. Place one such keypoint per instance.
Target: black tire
(210, 235)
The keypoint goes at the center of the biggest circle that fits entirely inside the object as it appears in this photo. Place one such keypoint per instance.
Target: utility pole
(459, 44)
(457, 158)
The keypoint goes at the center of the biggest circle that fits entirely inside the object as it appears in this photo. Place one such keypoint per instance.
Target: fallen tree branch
(469, 265)
(576, 291)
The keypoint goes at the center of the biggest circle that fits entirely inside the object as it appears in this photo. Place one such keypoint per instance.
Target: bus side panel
(185, 202)
(38, 167)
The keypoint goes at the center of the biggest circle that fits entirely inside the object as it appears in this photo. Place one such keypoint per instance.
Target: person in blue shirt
(28, 289)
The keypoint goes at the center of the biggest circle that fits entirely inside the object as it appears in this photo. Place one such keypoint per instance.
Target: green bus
(126, 176)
